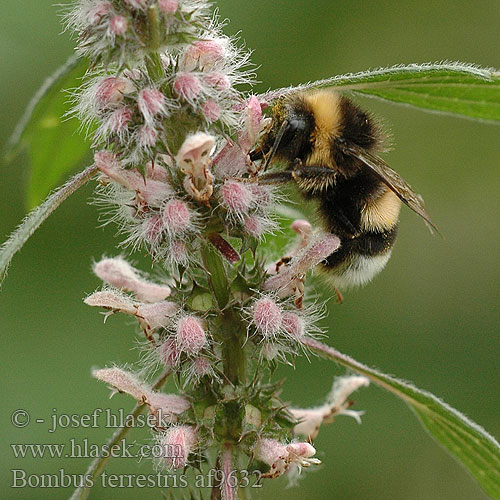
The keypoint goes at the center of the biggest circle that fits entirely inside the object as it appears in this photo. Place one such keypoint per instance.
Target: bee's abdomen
(359, 259)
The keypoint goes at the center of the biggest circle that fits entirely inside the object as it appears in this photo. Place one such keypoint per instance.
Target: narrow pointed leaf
(456, 88)
(35, 219)
(55, 145)
(468, 442)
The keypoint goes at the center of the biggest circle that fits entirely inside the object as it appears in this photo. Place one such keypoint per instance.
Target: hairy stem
(97, 466)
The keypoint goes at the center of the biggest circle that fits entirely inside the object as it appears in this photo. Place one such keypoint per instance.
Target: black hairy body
(329, 146)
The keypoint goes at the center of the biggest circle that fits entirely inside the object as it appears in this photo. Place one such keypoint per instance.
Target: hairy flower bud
(118, 25)
(176, 445)
(151, 102)
(111, 89)
(190, 336)
(177, 217)
(210, 110)
(122, 381)
(169, 354)
(166, 406)
(187, 86)
(203, 54)
(237, 198)
(168, 6)
(267, 317)
(293, 325)
(280, 457)
(120, 274)
(156, 315)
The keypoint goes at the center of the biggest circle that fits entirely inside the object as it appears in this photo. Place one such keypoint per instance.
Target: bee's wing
(391, 179)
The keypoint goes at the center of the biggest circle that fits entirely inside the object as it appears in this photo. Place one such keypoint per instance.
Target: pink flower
(267, 317)
(203, 54)
(310, 419)
(177, 217)
(210, 110)
(217, 80)
(168, 6)
(118, 25)
(293, 325)
(187, 86)
(237, 198)
(190, 336)
(176, 444)
(280, 456)
(151, 102)
(169, 354)
(120, 274)
(111, 89)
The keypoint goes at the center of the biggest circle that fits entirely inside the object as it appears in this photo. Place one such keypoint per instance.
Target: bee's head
(289, 137)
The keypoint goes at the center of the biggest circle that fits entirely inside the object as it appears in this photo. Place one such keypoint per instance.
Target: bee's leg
(312, 178)
(281, 177)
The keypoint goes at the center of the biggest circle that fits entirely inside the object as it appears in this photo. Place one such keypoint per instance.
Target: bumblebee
(330, 148)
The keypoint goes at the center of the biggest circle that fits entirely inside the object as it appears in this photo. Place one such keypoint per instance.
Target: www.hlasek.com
(85, 449)
(210, 479)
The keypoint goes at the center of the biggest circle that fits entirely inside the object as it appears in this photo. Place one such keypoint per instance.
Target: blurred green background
(431, 317)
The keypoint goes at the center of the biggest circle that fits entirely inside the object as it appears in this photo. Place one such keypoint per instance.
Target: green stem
(98, 465)
(153, 59)
(234, 361)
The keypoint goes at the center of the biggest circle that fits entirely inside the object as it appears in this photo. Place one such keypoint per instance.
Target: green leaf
(55, 144)
(36, 217)
(477, 450)
(456, 88)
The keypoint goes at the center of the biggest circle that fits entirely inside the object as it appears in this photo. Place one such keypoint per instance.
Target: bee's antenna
(276, 143)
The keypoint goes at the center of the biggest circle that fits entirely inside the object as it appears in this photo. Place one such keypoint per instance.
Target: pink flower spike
(187, 86)
(267, 317)
(176, 444)
(118, 25)
(210, 110)
(168, 6)
(190, 336)
(122, 381)
(151, 102)
(120, 274)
